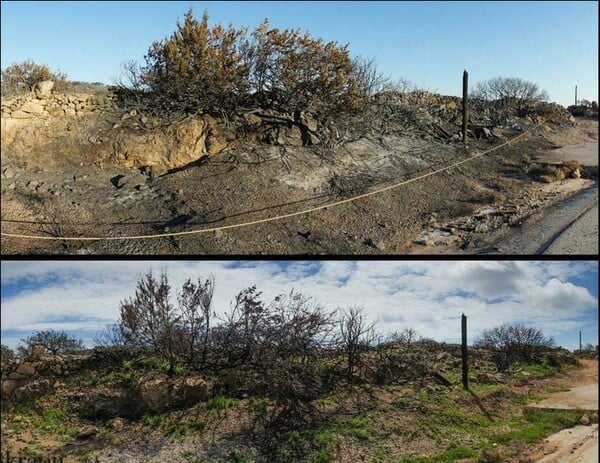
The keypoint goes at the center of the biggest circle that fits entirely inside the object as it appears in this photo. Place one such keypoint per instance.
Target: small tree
(195, 306)
(197, 68)
(54, 342)
(110, 336)
(356, 336)
(289, 367)
(149, 319)
(176, 332)
(407, 336)
(514, 343)
(238, 339)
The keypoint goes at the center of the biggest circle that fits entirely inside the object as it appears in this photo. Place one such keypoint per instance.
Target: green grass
(236, 456)
(220, 403)
(152, 420)
(554, 389)
(360, 428)
(455, 452)
(525, 399)
(536, 424)
(382, 454)
(309, 445)
(176, 430)
(483, 388)
(129, 367)
(53, 421)
(536, 371)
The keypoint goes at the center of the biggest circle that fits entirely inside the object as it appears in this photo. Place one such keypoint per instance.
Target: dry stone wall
(25, 376)
(71, 105)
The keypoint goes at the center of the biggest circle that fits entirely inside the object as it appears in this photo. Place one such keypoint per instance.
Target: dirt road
(578, 444)
(581, 397)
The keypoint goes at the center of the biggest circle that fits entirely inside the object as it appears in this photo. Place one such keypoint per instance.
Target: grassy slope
(401, 424)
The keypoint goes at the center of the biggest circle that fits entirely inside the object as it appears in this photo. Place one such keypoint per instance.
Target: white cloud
(428, 296)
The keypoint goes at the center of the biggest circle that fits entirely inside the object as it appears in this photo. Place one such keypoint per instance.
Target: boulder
(117, 424)
(8, 387)
(196, 390)
(104, 404)
(154, 394)
(26, 369)
(87, 432)
(32, 107)
(44, 88)
(129, 181)
(20, 114)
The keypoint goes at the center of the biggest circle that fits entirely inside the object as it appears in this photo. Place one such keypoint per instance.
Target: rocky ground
(53, 195)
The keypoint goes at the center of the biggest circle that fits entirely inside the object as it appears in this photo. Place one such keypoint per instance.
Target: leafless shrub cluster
(511, 92)
(290, 349)
(515, 343)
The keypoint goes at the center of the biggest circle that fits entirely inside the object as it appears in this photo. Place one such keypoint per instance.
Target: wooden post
(465, 359)
(580, 341)
(465, 105)
(575, 95)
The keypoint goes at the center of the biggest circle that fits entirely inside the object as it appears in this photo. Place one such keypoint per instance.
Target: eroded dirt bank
(53, 197)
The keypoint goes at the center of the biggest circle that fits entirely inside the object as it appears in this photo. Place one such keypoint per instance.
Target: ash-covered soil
(66, 198)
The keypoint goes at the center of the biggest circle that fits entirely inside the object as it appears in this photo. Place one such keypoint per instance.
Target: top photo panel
(299, 128)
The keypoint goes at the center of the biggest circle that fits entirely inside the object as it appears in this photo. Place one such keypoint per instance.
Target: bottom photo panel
(299, 361)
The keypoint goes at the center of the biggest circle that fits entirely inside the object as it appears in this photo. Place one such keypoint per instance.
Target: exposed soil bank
(78, 199)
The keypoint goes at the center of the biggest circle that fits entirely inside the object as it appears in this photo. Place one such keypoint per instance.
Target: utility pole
(580, 341)
(465, 359)
(575, 95)
(465, 104)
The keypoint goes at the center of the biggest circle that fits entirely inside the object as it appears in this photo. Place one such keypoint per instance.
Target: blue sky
(560, 298)
(554, 44)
